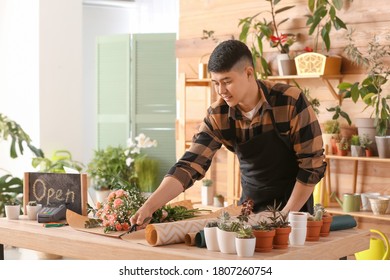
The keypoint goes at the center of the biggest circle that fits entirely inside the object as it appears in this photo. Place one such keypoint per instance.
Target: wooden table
(71, 243)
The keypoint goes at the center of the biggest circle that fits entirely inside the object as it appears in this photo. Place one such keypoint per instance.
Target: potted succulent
(342, 147)
(268, 30)
(330, 136)
(314, 224)
(245, 241)
(210, 235)
(207, 192)
(366, 144)
(356, 148)
(12, 209)
(279, 221)
(264, 233)
(219, 200)
(32, 209)
(226, 233)
(326, 219)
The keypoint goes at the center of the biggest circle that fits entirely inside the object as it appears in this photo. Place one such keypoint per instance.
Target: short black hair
(227, 54)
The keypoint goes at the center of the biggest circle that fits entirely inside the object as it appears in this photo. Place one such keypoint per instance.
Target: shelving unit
(325, 79)
(355, 161)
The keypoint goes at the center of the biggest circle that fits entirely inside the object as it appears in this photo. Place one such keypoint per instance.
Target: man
(271, 127)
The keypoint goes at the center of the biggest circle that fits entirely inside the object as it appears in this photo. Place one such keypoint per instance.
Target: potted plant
(326, 219)
(146, 170)
(370, 91)
(330, 136)
(12, 209)
(314, 224)
(342, 147)
(226, 233)
(356, 148)
(210, 235)
(268, 30)
(207, 192)
(245, 241)
(219, 200)
(346, 129)
(279, 221)
(323, 15)
(264, 233)
(366, 144)
(32, 209)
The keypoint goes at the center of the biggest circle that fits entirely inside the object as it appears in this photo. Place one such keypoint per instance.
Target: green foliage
(268, 30)
(245, 231)
(32, 203)
(212, 224)
(207, 182)
(323, 15)
(11, 129)
(355, 140)
(332, 127)
(227, 223)
(278, 218)
(146, 171)
(370, 90)
(59, 160)
(365, 141)
(339, 113)
(108, 164)
(169, 213)
(263, 226)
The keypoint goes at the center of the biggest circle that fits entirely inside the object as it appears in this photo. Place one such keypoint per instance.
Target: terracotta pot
(325, 228)
(342, 152)
(264, 240)
(369, 152)
(281, 238)
(313, 230)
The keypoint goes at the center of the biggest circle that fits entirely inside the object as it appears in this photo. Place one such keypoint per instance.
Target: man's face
(232, 86)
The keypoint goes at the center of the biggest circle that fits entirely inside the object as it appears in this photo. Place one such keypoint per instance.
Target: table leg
(1, 251)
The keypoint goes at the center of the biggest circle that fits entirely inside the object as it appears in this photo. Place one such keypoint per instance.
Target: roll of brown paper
(189, 238)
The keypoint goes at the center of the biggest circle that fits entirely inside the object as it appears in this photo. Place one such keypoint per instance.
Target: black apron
(268, 168)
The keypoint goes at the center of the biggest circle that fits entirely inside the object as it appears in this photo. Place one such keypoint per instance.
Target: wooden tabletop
(71, 243)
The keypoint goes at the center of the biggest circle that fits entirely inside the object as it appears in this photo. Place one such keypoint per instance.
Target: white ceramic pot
(245, 246)
(226, 241)
(32, 211)
(12, 212)
(297, 236)
(210, 235)
(297, 216)
(101, 196)
(379, 205)
(207, 195)
(366, 205)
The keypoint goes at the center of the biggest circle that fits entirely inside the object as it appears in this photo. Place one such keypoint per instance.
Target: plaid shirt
(294, 117)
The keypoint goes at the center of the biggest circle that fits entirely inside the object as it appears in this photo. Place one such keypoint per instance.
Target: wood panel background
(222, 16)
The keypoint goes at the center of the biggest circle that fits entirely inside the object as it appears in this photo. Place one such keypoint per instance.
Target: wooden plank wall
(222, 16)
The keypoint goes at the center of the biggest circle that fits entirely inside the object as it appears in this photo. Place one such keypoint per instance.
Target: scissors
(134, 227)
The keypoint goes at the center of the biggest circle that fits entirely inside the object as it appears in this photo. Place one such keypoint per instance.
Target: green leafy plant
(207, 182)
(259, 30)
(56, 164)
(317, 215)
(323, 15)
(12, 201)
(343, 144)
(370, 89)
(338, 112)
(263, 226)
(146, 171)
(32, 203)
(117, 161)
(227, 223)
(277, 219)
(245, 232)
(355, 140)
(212, 224)
(365, 142)
(332, 127)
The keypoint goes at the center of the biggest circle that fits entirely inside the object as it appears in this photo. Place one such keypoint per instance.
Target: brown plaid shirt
(294, 117)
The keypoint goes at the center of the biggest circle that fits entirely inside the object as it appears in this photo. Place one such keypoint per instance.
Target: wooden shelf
(325, 79)
(360, 214)
(371, 159)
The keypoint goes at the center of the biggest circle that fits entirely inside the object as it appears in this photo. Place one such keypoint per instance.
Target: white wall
(47, 68)
(19, 75)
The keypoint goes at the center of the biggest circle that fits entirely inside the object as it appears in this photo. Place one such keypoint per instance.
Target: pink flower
(119, 193)
(125, 226)
(117, 202)
(111, 196)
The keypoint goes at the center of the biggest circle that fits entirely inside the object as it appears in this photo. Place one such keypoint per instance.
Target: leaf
(325, 35)
(338, 24)
(283, 9)
(355, 92)
(244, 32)
(338, 4)
(311, 4)
(344, 85)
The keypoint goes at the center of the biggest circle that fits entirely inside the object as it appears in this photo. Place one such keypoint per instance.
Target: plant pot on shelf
(383, 146)
(312, 63)
(366, 129)
(32, 211)
(330, 142)
(207, 195)
(286, 65)
(357, 151)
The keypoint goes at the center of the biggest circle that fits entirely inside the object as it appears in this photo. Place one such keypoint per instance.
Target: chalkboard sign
(56, 188)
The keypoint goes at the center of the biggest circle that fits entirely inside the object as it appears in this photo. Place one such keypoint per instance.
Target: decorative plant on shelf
(338, 112)
(323, 15)
(332, 127)
(207, 182)
(118, 161)
(365, 143)
(56, 164)
(370, 90)
(268, 30)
